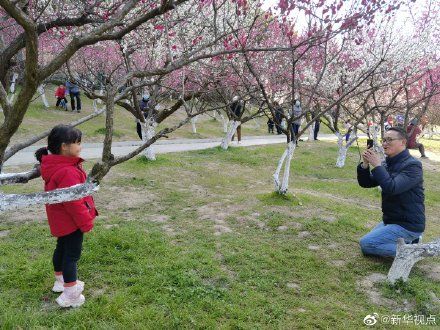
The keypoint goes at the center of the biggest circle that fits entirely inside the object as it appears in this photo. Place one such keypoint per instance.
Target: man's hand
(371, 157)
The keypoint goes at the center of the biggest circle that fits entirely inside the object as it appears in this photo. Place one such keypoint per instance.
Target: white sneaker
(71, 297)
(58, 286)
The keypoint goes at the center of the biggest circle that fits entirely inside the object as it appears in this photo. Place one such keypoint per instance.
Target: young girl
(60, 94)
(68, 221)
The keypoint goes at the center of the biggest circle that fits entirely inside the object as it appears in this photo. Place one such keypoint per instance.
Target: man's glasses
(389, 140)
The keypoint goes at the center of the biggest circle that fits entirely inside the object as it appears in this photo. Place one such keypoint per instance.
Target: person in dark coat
(270, 125)
(73, 90)
(317, 124)
(279, 112)
(403, 199)
(237, 109)
(144, 107)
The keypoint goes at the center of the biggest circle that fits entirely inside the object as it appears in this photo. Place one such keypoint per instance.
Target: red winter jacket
(60, 92)
(64, 218)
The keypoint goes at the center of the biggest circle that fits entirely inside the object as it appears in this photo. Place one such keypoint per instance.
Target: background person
(60, 94)
(296, 113)
(237, 109)
(73, 91)
(144, 105)
(413, 131)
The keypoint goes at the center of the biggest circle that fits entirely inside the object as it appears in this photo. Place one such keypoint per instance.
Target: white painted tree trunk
(429, 132)
(230, 133)
(13, 83)
(11, 98)
(13, 201)
(342, 151)
(407, 255)
(193, 124)
(257, 124)
(376, 145)
(43, 95)
(148, 131)
(312, 132)
(225, 122)
(281, 187)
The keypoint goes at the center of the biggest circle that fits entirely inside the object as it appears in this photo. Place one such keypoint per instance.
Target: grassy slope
(155, 258)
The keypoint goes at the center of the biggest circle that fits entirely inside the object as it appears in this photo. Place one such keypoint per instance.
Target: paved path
(94, 150)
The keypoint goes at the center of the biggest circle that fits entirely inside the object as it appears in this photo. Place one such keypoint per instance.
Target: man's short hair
(400, 131)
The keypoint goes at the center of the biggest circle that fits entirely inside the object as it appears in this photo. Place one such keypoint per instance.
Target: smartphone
(369, 143)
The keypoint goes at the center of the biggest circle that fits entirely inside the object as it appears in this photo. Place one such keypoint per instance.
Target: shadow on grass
(275, 198)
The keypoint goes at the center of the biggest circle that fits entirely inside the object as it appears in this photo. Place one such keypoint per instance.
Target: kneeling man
(403, 199)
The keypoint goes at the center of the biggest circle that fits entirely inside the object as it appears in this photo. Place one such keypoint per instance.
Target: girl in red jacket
(68, 221)
(60, 94)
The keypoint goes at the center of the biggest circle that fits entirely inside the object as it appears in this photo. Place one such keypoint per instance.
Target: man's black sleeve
(365, 179)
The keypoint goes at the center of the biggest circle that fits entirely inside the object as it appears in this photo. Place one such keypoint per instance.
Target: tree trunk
(407, 255)
(230, 133)
(148, 131)
(311, 132)
(13, 83)
(193, 124)
(43, 95)
(282, 187)
(376, 145)
(225, 122)
(342, 151)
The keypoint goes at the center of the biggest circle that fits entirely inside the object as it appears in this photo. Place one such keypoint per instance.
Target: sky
(402, 20)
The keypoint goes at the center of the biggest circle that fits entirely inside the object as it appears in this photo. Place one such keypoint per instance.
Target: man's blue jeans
(382, 240)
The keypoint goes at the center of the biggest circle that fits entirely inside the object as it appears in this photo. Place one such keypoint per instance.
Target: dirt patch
(369, 286)
(28, 214)
(4, 233)
(157, 218)
(314, 247)
(220, 229)
(111, 226)
(114, 198)
(169, 230)
(217, 212)
(328, 218)
(97, 293)
(303, 234)
(293, 286)
(338, 263)
(431, 270)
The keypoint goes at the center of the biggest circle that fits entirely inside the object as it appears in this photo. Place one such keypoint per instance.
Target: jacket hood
(50, 164)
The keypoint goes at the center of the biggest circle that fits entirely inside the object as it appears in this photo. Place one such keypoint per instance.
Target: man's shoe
(424, 156)
(71, 297)
(417, 240)
(58, 286)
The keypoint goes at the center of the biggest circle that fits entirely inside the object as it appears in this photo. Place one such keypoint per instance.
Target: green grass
(155, 259)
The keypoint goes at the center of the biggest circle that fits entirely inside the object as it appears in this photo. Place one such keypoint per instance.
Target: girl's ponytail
(40, 153)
